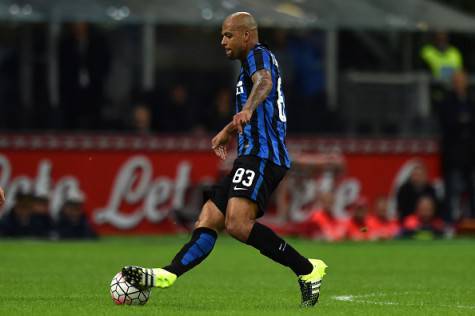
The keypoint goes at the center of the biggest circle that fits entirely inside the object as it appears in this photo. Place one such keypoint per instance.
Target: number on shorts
(247, 174)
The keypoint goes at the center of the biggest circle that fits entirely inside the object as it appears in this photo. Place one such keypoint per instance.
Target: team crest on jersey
(239, 88)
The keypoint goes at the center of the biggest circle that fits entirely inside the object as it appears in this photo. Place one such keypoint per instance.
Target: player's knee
(210, 217)
(233, 228)
(198, 224)
(237, 227)
(209, 223)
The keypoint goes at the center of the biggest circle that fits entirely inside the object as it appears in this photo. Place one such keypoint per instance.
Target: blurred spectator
(41, 221)
(457, 124)
(222, 112)
(379, 222)
(423, 224)
(72, 222)
(442, 58)
(177, 113)
(357, 226)
(83, 65)
(141, 119)
(415, 187)
(322, 224)
(17, 222)
(363, 225)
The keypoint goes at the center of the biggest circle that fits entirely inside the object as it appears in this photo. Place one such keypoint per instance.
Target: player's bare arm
(220, 141)
(2, 197)
(262, 86)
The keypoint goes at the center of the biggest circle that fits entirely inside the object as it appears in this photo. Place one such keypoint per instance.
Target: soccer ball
(122, 292)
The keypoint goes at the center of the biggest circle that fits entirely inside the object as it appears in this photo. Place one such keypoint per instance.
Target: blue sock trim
(200, 248)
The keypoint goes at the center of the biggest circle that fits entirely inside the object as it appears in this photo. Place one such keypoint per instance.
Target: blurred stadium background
(107, 109)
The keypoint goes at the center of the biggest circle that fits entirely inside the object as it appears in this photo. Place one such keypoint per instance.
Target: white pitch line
(361, 300)
(344, 298)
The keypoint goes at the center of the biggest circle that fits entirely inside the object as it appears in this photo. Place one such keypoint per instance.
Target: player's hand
(2, 197)
(219, 144)
(242, 118)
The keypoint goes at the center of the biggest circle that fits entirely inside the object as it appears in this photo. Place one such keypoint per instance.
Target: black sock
(270, 245)
(194, 252)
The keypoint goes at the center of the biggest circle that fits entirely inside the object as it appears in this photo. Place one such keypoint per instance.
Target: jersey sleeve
(258, 59)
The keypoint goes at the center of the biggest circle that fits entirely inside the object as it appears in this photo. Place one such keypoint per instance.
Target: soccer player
(241, 197)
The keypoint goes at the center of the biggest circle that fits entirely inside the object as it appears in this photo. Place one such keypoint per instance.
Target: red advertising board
(131, 183)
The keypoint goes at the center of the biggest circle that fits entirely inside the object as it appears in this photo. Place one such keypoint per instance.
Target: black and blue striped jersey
(264, 136)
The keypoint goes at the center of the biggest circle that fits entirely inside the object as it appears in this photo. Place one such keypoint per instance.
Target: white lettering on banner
(181, 185)
(159, 194)
(346, 193)
(65, 186)
(43, 180)
(162, 190)
(123, 189)
(154, 198)
(302, 196)
(134, 183)
(6, 171)
(42, 184)
(402, 175)
(156, 194)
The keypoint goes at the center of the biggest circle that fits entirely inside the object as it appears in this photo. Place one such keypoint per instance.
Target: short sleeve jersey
(264, 136)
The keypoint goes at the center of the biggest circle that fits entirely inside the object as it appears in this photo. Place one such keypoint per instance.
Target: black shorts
(252, 178)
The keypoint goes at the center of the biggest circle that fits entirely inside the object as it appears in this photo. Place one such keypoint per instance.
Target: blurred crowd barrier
(154, 185)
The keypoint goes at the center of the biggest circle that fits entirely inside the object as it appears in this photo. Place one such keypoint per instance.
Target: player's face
(232, 41)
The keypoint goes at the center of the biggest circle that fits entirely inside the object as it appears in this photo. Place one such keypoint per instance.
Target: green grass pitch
(384, 278)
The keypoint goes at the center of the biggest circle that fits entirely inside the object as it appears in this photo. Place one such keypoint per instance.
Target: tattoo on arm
(262, 86)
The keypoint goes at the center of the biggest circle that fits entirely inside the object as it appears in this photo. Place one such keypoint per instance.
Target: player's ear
(246, 35)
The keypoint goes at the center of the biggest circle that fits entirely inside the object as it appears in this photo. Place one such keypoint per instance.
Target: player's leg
(202, 241)
(241, 224)
(254, 180)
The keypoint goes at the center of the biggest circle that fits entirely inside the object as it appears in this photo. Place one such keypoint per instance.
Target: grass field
(387, 278)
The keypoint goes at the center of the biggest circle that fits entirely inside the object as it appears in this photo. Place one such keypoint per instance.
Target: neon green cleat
(163, 278)
(310, 283)
(147, 278)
